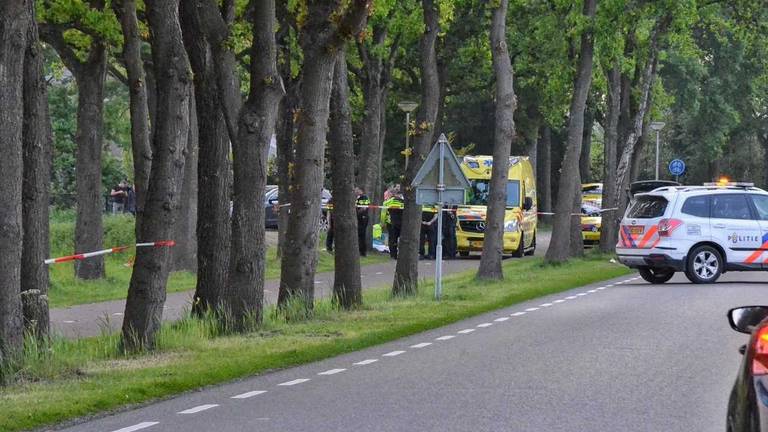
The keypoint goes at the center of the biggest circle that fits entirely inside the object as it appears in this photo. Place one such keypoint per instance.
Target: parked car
(748, 402)
(271, 203)
(702, 231)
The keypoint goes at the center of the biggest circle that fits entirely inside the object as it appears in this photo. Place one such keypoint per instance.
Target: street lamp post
(408, 107)
(657, 126)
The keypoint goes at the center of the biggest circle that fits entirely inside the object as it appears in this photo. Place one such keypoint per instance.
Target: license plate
(476, 244)
(636, 230)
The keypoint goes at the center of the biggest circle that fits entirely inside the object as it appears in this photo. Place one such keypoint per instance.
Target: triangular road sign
(427, 181)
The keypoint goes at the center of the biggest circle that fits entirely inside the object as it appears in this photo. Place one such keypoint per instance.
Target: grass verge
(71, 379)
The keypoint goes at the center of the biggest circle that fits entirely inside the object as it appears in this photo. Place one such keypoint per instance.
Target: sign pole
(439, 246)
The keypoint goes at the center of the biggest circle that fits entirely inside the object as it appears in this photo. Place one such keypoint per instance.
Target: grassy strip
(78, 378)
(66, 290)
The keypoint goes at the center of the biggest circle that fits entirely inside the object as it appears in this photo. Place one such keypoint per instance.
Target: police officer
(428, 233)
(449, 233)
(392, 216)
(362, 219)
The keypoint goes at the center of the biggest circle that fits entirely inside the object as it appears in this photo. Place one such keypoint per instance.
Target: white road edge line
(332, 371)
(581, 294)
(571, 298)
(366, 362)
(518, 314)
(392, 353)
(559, 301)
(198, 408)
(421, 345)
(484, 325)
(502, 319)
(136, 427)
(294, 382)
(444, 338)
(465, 331)
(592, 291)
(532, 309)
(249, 394)
(545, 305)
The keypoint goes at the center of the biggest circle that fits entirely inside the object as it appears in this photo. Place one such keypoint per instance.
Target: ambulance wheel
(532, 250)
(655, 276)
(704, 265)
(520, 251)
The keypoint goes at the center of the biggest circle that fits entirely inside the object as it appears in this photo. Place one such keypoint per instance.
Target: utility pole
(657, 126)
(408, 107)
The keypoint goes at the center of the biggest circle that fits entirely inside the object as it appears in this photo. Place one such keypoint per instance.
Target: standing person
(428, 233)
(130, 201)
(362, 219)
(329, 234)
(392, 216)
(449, 233)
(119, 195)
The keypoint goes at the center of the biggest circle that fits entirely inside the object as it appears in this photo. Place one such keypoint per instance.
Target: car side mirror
(744, 319)
(527, 203)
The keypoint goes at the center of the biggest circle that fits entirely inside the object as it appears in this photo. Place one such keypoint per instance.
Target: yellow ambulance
(591, 203)
(520, 218)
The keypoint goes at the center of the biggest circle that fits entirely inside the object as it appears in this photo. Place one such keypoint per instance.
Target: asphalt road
(618, 356)
(96, 318)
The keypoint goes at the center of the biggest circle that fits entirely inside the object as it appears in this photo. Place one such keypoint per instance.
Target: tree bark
(213, 205)
(347, 288)
(139, 105)
(146, 294)
(244, 293)
(559, 248)
(322, 36)
(585, 159)
(407, 270)
(506, 102)
(609, 226)
(577, 241)
(185, 251)
(38, 148)
(545, 169)
(14, 29)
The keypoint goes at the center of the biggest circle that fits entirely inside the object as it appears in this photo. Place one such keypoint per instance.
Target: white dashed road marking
(559, 301)
(366, 362)
(68, 321)
(136, 427)
(581, 294)
(518, 314)
(248, 394)
(444, 338)
(393, 353)
(465, 331)
(546, 305)
(379, 273)
(484, 325)
(570, 297)
(332, 372)
(532, 309)
(421, 345)
(294, 382)
(502, 319)
(198, 408)
(592, 291)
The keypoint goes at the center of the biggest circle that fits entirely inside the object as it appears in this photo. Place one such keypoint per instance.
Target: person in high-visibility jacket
(362, 219)
(392, 217)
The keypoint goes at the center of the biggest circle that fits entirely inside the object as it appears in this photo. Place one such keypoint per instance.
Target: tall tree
(146, 294)
(407, 270)
(327, 28)
(38, 146)
(89, 69)
(506, 102)
(544, 166)
(347, 288)
(185, 234)
(213, 210)
(244, 292)
(608, 229)
(14, 30)
(559, 248)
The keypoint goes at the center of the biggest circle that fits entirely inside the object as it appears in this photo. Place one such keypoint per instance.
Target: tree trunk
(139, 106)
(322, 36)
(14, 30)
(185, 251)
(559, 248)
(213, 204)
(545, 169)
(146, 294)
(585, 159)
(577, 241)
(244, 293)
(609, 227)
(368, 170)
(407, 270)
(347, 288)
(493, 243)
(285, 148)
(38, 147)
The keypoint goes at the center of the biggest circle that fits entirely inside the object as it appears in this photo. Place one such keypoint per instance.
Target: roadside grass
(72, 379)
(66, 290)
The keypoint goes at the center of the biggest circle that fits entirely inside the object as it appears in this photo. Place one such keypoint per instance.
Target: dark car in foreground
(272, 216)
(748, 404)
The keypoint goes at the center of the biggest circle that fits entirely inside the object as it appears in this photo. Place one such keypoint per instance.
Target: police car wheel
(520, 251)
(655, 276)
(704, 265)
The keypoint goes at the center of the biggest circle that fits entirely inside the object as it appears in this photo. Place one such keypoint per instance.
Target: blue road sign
(677, 167)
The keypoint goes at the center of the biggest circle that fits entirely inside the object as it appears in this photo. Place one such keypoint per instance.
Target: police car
(702, 231)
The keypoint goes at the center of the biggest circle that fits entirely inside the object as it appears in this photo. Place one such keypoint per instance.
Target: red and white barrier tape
(82, 256)
(578, 214)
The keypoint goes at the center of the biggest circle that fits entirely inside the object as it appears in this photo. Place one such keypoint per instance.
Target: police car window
(648, 207)
(761, 204)
(730, 207)
(696, 206)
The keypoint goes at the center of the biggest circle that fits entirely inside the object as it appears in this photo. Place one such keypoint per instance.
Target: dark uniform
(394, 221)
(428, 234)
(362, 222)
(449, 233)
